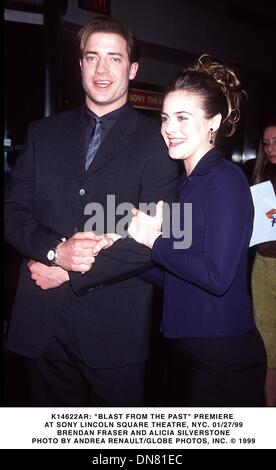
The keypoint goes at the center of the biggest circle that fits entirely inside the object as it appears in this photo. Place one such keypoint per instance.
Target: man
(84, 326)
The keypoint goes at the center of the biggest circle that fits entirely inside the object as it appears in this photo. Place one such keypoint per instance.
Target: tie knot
(98, 122)
(98, 127)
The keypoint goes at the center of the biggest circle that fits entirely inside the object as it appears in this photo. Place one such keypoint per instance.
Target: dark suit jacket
(206, 285)
(111, 306)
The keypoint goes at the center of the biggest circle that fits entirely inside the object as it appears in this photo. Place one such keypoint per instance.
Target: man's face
(106, 70)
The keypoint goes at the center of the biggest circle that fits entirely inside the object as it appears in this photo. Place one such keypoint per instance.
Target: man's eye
(90, 58)
(181, 118)
(115, 59)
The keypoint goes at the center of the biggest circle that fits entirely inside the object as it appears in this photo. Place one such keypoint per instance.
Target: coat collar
(211, 159)
(205, 165)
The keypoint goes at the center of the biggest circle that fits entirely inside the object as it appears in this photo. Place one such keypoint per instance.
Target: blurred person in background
(264, 269)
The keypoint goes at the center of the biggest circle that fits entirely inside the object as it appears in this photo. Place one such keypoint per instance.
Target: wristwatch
(52, 253)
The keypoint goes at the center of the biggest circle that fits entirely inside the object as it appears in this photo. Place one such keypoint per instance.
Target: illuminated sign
(100, 6)
(146, 99)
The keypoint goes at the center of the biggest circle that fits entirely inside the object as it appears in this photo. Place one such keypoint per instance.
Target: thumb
(159, 211)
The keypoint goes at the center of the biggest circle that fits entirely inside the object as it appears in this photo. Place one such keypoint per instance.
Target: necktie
(94, 143)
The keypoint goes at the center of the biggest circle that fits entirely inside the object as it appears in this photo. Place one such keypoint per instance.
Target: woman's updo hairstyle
(219, 87)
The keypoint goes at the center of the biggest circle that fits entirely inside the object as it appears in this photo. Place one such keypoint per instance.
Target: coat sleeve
(154, 276)
(126, 258)
(228, 215)
(22, 230)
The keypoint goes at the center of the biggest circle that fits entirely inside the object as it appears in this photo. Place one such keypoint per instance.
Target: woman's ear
(215, 122)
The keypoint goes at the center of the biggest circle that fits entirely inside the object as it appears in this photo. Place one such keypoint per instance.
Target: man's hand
(106, 241)
(76, 253)
(47, 277)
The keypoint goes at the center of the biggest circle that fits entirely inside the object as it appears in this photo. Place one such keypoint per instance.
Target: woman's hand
(144, 228)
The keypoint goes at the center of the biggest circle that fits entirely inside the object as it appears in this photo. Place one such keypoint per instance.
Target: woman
(264, 269)
(216, 355)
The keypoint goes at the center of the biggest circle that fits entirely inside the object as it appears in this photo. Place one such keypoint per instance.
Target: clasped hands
(79, 252)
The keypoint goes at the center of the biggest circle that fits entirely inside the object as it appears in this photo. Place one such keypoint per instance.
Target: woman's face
(269, 143)
(184, 127)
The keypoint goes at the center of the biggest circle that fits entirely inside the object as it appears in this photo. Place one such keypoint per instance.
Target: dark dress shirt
(107, 122)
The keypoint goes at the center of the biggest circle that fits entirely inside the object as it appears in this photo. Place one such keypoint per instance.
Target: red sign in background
(146, 99)
(100, 6)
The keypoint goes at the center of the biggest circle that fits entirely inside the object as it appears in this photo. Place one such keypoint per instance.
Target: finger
(104, 243)
(135, 211)
(33, 269)
(159, 210)
(86, 235)
(82, 268)
(81, 246)
(83, 260)
(110, 242)
(99, 246)
(112, 236)
(33, 263)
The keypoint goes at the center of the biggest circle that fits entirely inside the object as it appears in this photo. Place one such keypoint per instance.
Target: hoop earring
(211, 141)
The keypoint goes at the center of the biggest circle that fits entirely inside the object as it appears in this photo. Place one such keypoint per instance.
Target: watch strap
(52, 253)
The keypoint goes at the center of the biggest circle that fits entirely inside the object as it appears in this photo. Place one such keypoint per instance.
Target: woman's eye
(164, 119)
(181, 118)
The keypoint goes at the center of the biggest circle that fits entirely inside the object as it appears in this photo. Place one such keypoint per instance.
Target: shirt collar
(112, 116)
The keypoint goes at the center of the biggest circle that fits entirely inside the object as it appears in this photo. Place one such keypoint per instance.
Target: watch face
(51, 255)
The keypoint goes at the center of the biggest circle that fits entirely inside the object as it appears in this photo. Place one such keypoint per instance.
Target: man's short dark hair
(104, 24)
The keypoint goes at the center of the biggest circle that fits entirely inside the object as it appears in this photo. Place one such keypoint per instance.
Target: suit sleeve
(228, 214)
(22, 230)
(154, 276)
(126, 258)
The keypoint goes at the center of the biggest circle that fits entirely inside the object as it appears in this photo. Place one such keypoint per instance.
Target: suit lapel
(74, 145)
(115, 140)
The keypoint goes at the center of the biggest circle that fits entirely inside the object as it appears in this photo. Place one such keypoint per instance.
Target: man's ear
(133, 70)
